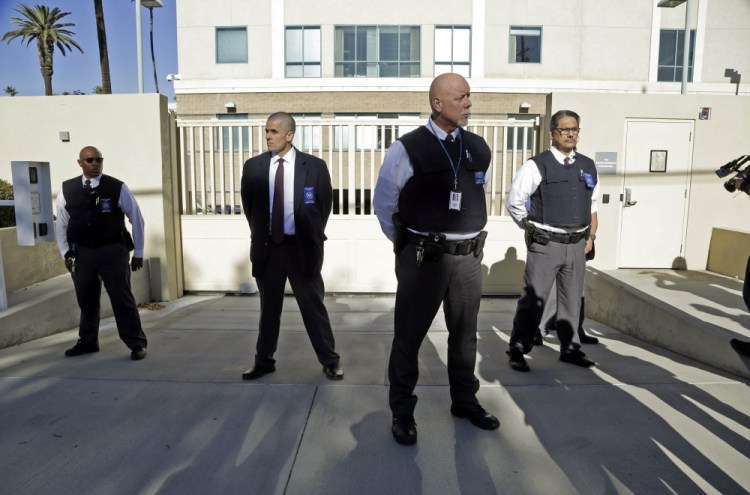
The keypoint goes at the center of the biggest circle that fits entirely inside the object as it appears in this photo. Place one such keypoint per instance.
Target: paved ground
(182, 421)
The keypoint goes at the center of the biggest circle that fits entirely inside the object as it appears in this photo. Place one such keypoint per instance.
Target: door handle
(628, 192)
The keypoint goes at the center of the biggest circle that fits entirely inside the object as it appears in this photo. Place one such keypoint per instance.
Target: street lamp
(150, 4)
(686, 40)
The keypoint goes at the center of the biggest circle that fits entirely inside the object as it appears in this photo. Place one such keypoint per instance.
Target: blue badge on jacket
(479, 178)
(589, 180)
(105, 205)
(309, 195)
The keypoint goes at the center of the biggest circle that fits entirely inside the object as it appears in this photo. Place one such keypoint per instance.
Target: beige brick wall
(260, 105)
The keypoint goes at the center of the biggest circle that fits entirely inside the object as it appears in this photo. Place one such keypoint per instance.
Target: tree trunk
(153, 58)
(101, 35)
(45, 63)
(47, 75)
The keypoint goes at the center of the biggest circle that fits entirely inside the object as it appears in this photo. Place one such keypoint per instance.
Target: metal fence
(212, 154)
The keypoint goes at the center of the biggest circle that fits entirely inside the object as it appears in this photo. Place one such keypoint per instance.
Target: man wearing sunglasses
(96, 245)
(553, 198)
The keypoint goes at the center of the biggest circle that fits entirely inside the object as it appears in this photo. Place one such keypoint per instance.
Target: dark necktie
(277, 211)
(87, 186)
(449, 138)
(567, 160)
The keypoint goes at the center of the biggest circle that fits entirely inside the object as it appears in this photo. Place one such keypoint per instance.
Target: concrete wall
(716, 141)
(28, 265)
(729, 252)
(135, 134)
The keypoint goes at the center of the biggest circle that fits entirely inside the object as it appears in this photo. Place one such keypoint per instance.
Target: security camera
(173, 77)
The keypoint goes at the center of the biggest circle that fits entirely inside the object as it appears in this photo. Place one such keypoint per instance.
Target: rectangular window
(671, 43)
(303, 51)
(453, 50)
(231, 45)
(235, 132)
(525, 46)
(376, 51)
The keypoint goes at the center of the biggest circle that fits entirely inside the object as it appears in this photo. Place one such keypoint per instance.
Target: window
(671, 43)
(525, 45)
(303, 51)
(377, 51)
(235, 132)
(231, 45)
(453, 50)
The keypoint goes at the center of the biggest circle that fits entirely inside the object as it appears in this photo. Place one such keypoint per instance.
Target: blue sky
(80, 71)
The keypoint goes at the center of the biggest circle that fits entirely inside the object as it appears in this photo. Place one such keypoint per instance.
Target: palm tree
(101, 36)
(151, 35)
(43, 24)
(10, 91)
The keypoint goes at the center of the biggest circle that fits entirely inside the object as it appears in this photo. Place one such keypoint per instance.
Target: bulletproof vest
(563, 198)
(95, 217)
(424, 199)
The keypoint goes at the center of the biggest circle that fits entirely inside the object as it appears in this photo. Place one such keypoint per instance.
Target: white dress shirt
(126, 203)
(289, 159)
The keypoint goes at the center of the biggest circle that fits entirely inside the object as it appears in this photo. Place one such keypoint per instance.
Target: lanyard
(460, 154)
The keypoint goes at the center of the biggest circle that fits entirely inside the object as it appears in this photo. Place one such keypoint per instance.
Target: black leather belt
(571, 238)
(288, 239)
(459, 248)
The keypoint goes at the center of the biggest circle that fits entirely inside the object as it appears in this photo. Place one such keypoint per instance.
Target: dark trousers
(746, 285)
(109, 264)
(283, 263)
(456, 283)
(564, 264)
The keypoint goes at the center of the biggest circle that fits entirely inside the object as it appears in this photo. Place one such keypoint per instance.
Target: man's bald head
(450, 101)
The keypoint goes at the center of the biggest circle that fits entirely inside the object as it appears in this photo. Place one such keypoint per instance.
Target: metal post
(138, 43)
(686, 47)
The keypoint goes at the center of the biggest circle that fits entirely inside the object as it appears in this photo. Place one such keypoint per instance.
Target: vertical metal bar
(505, 165)
(203, 171)
(189, 132)
(222, 168)
(212, 170)
(231, 167)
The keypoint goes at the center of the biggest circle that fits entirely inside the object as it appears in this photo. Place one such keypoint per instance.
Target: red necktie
(277, 211)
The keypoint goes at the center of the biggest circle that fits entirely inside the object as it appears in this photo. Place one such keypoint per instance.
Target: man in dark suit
(287, 198)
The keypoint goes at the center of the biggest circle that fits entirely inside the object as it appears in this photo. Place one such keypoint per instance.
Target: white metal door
(655, 197)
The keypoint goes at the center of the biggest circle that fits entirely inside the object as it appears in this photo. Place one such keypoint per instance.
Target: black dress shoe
(477, 415)
(258, 371)
(517, 361)
(538, 339)
(404, 430)
(81, 348)
(575, 356)
(333, 372)
(741, 347)
(586, 339)
(138, 354)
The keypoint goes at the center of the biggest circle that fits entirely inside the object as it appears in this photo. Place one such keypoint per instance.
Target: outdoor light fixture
(670, 3)
(525, 105)
(230, 104)
(64, 136)
(174, 77)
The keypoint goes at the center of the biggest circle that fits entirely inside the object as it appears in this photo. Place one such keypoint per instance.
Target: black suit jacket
(310, 214)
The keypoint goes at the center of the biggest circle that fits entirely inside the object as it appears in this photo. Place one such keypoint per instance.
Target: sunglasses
(90, 160)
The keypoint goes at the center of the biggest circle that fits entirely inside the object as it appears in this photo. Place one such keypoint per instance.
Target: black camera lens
(730, 185)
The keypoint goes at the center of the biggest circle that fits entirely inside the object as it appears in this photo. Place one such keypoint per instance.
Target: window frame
(373, 64)
(452, 64)
(303, 62)
(512, 43)
(228, 29)
(679, 41)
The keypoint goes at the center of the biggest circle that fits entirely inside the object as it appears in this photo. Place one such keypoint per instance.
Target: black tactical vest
(563, 198)
(424, 200)
(95, 217)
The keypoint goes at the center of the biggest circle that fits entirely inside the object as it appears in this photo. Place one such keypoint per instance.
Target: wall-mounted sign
(606, 162)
